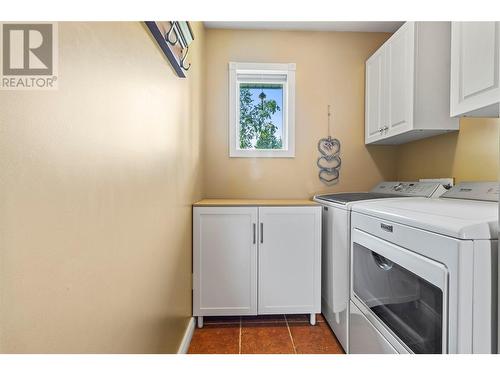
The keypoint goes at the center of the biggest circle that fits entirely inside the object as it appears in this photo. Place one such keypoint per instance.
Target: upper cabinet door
(374, 93)
(400, 70)
(224, 261)
(289, 260)
(475, 69)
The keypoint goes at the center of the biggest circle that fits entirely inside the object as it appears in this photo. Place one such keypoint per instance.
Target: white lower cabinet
(256, 260)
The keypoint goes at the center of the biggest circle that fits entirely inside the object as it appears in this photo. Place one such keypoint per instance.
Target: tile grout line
(290, 333)
(239, 344)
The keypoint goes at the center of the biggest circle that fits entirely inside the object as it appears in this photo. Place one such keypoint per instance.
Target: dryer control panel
(410, 188)
(481, 191)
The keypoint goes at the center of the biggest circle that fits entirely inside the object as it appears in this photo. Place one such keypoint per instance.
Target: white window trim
(288, 103)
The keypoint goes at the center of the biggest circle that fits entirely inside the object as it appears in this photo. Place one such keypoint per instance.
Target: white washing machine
(336, 243)
(424, 273)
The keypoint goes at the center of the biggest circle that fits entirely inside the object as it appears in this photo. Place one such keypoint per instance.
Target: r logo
(27, 49)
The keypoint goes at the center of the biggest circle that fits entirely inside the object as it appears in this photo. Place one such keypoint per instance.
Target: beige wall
(468, 155)
(97, 181)
(330, 70)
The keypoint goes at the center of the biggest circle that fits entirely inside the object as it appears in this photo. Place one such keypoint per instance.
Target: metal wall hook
(173, 29)
(183, 59)
(177, 38)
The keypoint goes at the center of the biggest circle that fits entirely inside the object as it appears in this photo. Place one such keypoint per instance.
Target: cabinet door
(400, 68)
(224, 261)
(474, 68)
(374, 96)
(289, 260)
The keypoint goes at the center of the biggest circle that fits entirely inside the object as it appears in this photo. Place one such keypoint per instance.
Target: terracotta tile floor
(265, 334)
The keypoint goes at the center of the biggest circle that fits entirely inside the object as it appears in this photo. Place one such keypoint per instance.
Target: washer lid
(458, 218)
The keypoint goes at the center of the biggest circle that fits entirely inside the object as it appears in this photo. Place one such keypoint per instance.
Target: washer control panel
(409, 188)
(482, 191)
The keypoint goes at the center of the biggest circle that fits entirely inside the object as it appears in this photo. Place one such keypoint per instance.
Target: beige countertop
(254, 202)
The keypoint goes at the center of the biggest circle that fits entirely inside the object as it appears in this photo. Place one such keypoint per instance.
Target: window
(261, 110)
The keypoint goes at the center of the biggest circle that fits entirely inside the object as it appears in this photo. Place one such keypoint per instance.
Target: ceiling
(362, 26)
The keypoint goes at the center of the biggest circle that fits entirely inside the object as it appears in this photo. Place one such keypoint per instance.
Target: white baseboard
(188, 335)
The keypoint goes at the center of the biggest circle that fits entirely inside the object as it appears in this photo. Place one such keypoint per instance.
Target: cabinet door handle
(261, 232)
(254, 233)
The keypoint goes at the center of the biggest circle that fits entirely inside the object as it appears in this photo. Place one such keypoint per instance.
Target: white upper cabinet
(407, 85)
(475, 69)
(375, 66)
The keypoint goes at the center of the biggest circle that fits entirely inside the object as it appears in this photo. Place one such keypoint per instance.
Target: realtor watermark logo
(28, 56)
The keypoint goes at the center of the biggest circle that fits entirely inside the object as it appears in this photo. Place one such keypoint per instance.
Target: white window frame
(261, 69)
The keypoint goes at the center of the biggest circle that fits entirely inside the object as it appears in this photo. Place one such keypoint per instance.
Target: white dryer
(424, 273)
(336, 243)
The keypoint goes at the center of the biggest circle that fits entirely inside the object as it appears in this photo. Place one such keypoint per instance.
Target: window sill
(261, 154)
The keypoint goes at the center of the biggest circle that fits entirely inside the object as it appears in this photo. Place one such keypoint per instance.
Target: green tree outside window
(257, 129)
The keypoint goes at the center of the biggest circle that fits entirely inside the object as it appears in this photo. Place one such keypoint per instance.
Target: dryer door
(403, 291)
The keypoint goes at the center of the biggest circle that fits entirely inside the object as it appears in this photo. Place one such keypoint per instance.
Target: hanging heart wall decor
(329, 162)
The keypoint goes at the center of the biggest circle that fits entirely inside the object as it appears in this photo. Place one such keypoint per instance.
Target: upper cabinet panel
(407, 85)
(400, 58)
(475, 69)
(375, 66)
(477, 53)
